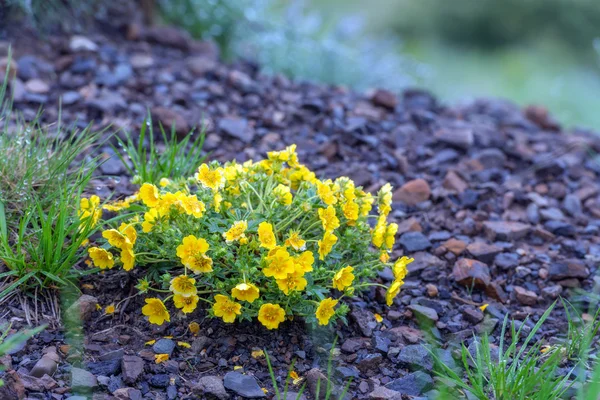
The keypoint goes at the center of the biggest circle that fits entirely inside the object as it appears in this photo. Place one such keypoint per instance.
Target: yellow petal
(258, 354)
(378, 317)
(150, 342)
(483, 307)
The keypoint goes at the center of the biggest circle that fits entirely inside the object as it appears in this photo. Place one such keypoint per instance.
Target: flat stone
(424, 312)
(491, 158)
(413, 384)
(470, 272)
(106, 368)
(164, 346)
(455, 246)
(210, 387)
(506, 230)
(483, 252)
(524, 296)
(413, 192)
(461, 138)
(160, 381)
(243, 385)
(552, 292)
(384, 98)
(507, 260)
(132, 367)
(414, 241)
(453, 181)
(370, 362)
(46, 365)
(169, 117)
(383, 393)
(82, 379)
(416, 357)
(568, 269)
(82, 308)
(37, 86)
(237, 128)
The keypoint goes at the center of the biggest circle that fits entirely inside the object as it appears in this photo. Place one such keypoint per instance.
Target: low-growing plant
(264, 240)
(178, 157)
(9, 343)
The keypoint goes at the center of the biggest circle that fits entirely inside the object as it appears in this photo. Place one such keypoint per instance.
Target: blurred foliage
(48, 15)
(285, 38)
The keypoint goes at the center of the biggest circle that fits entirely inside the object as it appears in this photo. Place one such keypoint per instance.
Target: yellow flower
(164, 182)
(328, 218)
(257, 354)
(343, 278)
(294, 281)
(279, 264)
(393, 291)
(483, 307)
(115, 238)
(325, 245)
(236, 232)
(161, 358)
(211, 179)
(156, 311)
(187, 304)
(245, 292)
(283, 194)
(390, 235)
(384, 256)
(185, 345)
(325, 310)
(225, 308)
(190, 246)
(149, 194)
(194, 328)
(129, 231)
(378, 235)
(90, 208)
(150, 342)
(384, 199)
(109, 309)
(350, 210)
(127, 257)
(266, 235)
(217, 198)
(295, 241)
(378, 318)
(183, 285)
(326, 194)
(150, 219)
(304, 262)
(271, 315)
(101, 258)
(400, 268)
(199, 263)
(296, 379)
(192, 206)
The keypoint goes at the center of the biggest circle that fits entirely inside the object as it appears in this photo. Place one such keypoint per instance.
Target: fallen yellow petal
(483, 307)
(378, 317)
(184, 344)
(258, 354)
(150, 342)
(161, 358)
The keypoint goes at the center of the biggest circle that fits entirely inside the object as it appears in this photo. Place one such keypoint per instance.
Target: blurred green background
(530, 51)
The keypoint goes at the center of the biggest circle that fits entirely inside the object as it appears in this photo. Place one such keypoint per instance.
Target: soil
(486, 192)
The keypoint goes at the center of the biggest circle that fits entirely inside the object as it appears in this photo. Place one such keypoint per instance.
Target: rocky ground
(486, 193)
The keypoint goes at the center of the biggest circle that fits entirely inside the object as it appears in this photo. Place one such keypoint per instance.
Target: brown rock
(453, 181)
(470, 272)
(132, 367)
(12, 388)
(455, 246)
(506, 230)
(413, 192)
(383, 393)
(483, 252)
(11, 66)
(461, 138)
(82, 308)
(524, 296)
(495, 291)
(568, 269)
(199, 65)
(384, 98)
(432, 290)
(409, 225)
(167, 117)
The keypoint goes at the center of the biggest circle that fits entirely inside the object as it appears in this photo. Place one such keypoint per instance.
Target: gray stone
(46, 365)
(106, 368)
(82, 380)
(243, 385)
(383, 393)
(413, 384)
(507, 260)
(132, 367)
(414, 241)
(506, 230)
(210, 387)
(160, 381)
(491, 158)
(424, 312)
(164, 346)
(552, 213)
(416, 357)
(572, 205)
(568, 269)
(238, 128)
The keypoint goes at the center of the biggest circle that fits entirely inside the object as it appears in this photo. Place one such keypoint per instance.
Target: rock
(237, 128)
(572, 205)
(469, 272)
(127, 394)
(168, 117)
(46, 365)
(132, 367)
(243, 385)
(70, 97)
(82, 380)
(460, 138)
(473, 315)
(108, 102)
(160, 381)
(552, 213)
(552, 292)
(506, 230)
(82, 308)
(352, 345)
(12, 387)
(383, 393)
(385, 99)
(106, 368)
(560, 228)
(424, 312)
(432, 290)
(483, 252)
(10, 66)
(167, 36)
(82, 43)
(210, 387)
(524, 296)
(199, 65)
(370, 362)
(364, 319)
(453, 181)
(164, 346)
(491, 158)
(416, 357)
(506, 260)
(414, 241)
(141, 60)
(317, 381)
(455, 246)
(413, 384)
(37, 86)
(567, 269)
(413, 192)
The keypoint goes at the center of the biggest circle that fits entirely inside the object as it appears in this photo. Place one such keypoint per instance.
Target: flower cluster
(265, 240)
